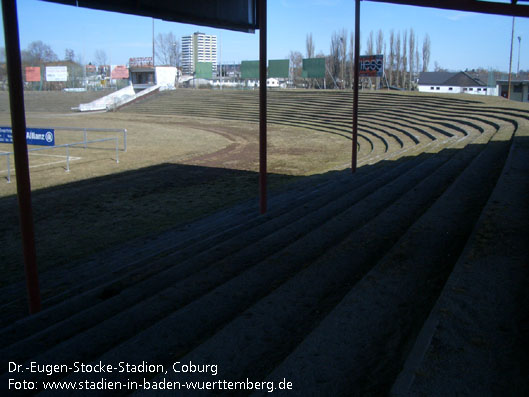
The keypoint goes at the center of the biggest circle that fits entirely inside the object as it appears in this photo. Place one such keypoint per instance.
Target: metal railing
(84, 142)
(87, 130)
(8, 166)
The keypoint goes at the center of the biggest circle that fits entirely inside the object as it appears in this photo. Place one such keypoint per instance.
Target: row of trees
(167, 49)
(404, 58)
(41, 54)
(38, 53)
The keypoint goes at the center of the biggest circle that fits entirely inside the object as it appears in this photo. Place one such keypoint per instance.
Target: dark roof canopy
(241, 15)
(238, 15)
(515, 8)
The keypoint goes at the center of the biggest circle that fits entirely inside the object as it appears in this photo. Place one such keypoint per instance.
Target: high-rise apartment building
(198, 47)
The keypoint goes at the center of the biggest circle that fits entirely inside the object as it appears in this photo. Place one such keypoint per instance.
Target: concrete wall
(516, 94)
(166, 76)
(458, 90)
(272, 82)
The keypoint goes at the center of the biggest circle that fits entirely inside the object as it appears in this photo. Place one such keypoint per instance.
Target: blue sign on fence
(34, 136)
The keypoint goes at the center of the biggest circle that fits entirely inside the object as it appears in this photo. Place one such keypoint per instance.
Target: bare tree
(176, 53)
(334, 57)
(309, 45)
(380, 41)
(296, 65)
(320, 54)
(75, 69)
(391, 60)
(412, 56)
(426, 53)
(417, 58)
(404, 69)
(343, 55)
(439, 68)
(398, 60)
(79, 59)
(370, 50)
(69, 55)
(167, 49)
(379, 47)
(351, 57)
(100, 57)
(309, 42)
(370, 44)
(385, 59)
(37, 52)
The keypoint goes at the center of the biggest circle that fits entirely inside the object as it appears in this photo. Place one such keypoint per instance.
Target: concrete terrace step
(258, 334)
(229, 275)
(387, 307)
(480, 321)
(319, 208)
(51, 101)
(209, 313)
(302, 110)
(111, 263)
(379, 112)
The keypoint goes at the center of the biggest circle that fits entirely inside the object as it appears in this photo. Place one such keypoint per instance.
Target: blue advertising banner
(34, 136)
(371, 66)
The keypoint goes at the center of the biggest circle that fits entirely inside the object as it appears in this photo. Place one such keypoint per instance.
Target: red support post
(20, 149)
(355, 92)
(262, 106)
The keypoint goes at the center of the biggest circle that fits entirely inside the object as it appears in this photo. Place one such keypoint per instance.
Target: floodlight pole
(262, 106)
(153, 43)
(519, 45)
(20, 149)
(510, 62)
(355, 91)
(343, 62)
(220, 59)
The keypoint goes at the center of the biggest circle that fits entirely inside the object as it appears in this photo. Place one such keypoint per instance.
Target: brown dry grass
(179, 140)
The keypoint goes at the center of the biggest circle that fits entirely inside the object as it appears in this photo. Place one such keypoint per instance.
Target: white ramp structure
(116, 99)
(166, 77)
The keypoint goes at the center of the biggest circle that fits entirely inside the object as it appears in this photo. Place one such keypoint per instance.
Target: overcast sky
(459, 40)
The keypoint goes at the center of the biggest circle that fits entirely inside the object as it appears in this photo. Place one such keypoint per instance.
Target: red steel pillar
(20, 149)
(262, 106)
(355, 92)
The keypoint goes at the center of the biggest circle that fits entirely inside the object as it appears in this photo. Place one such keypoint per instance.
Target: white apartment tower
(198, 47)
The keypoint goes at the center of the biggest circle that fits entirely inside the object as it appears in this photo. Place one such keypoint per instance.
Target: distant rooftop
(458, 79)
(435, 78)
